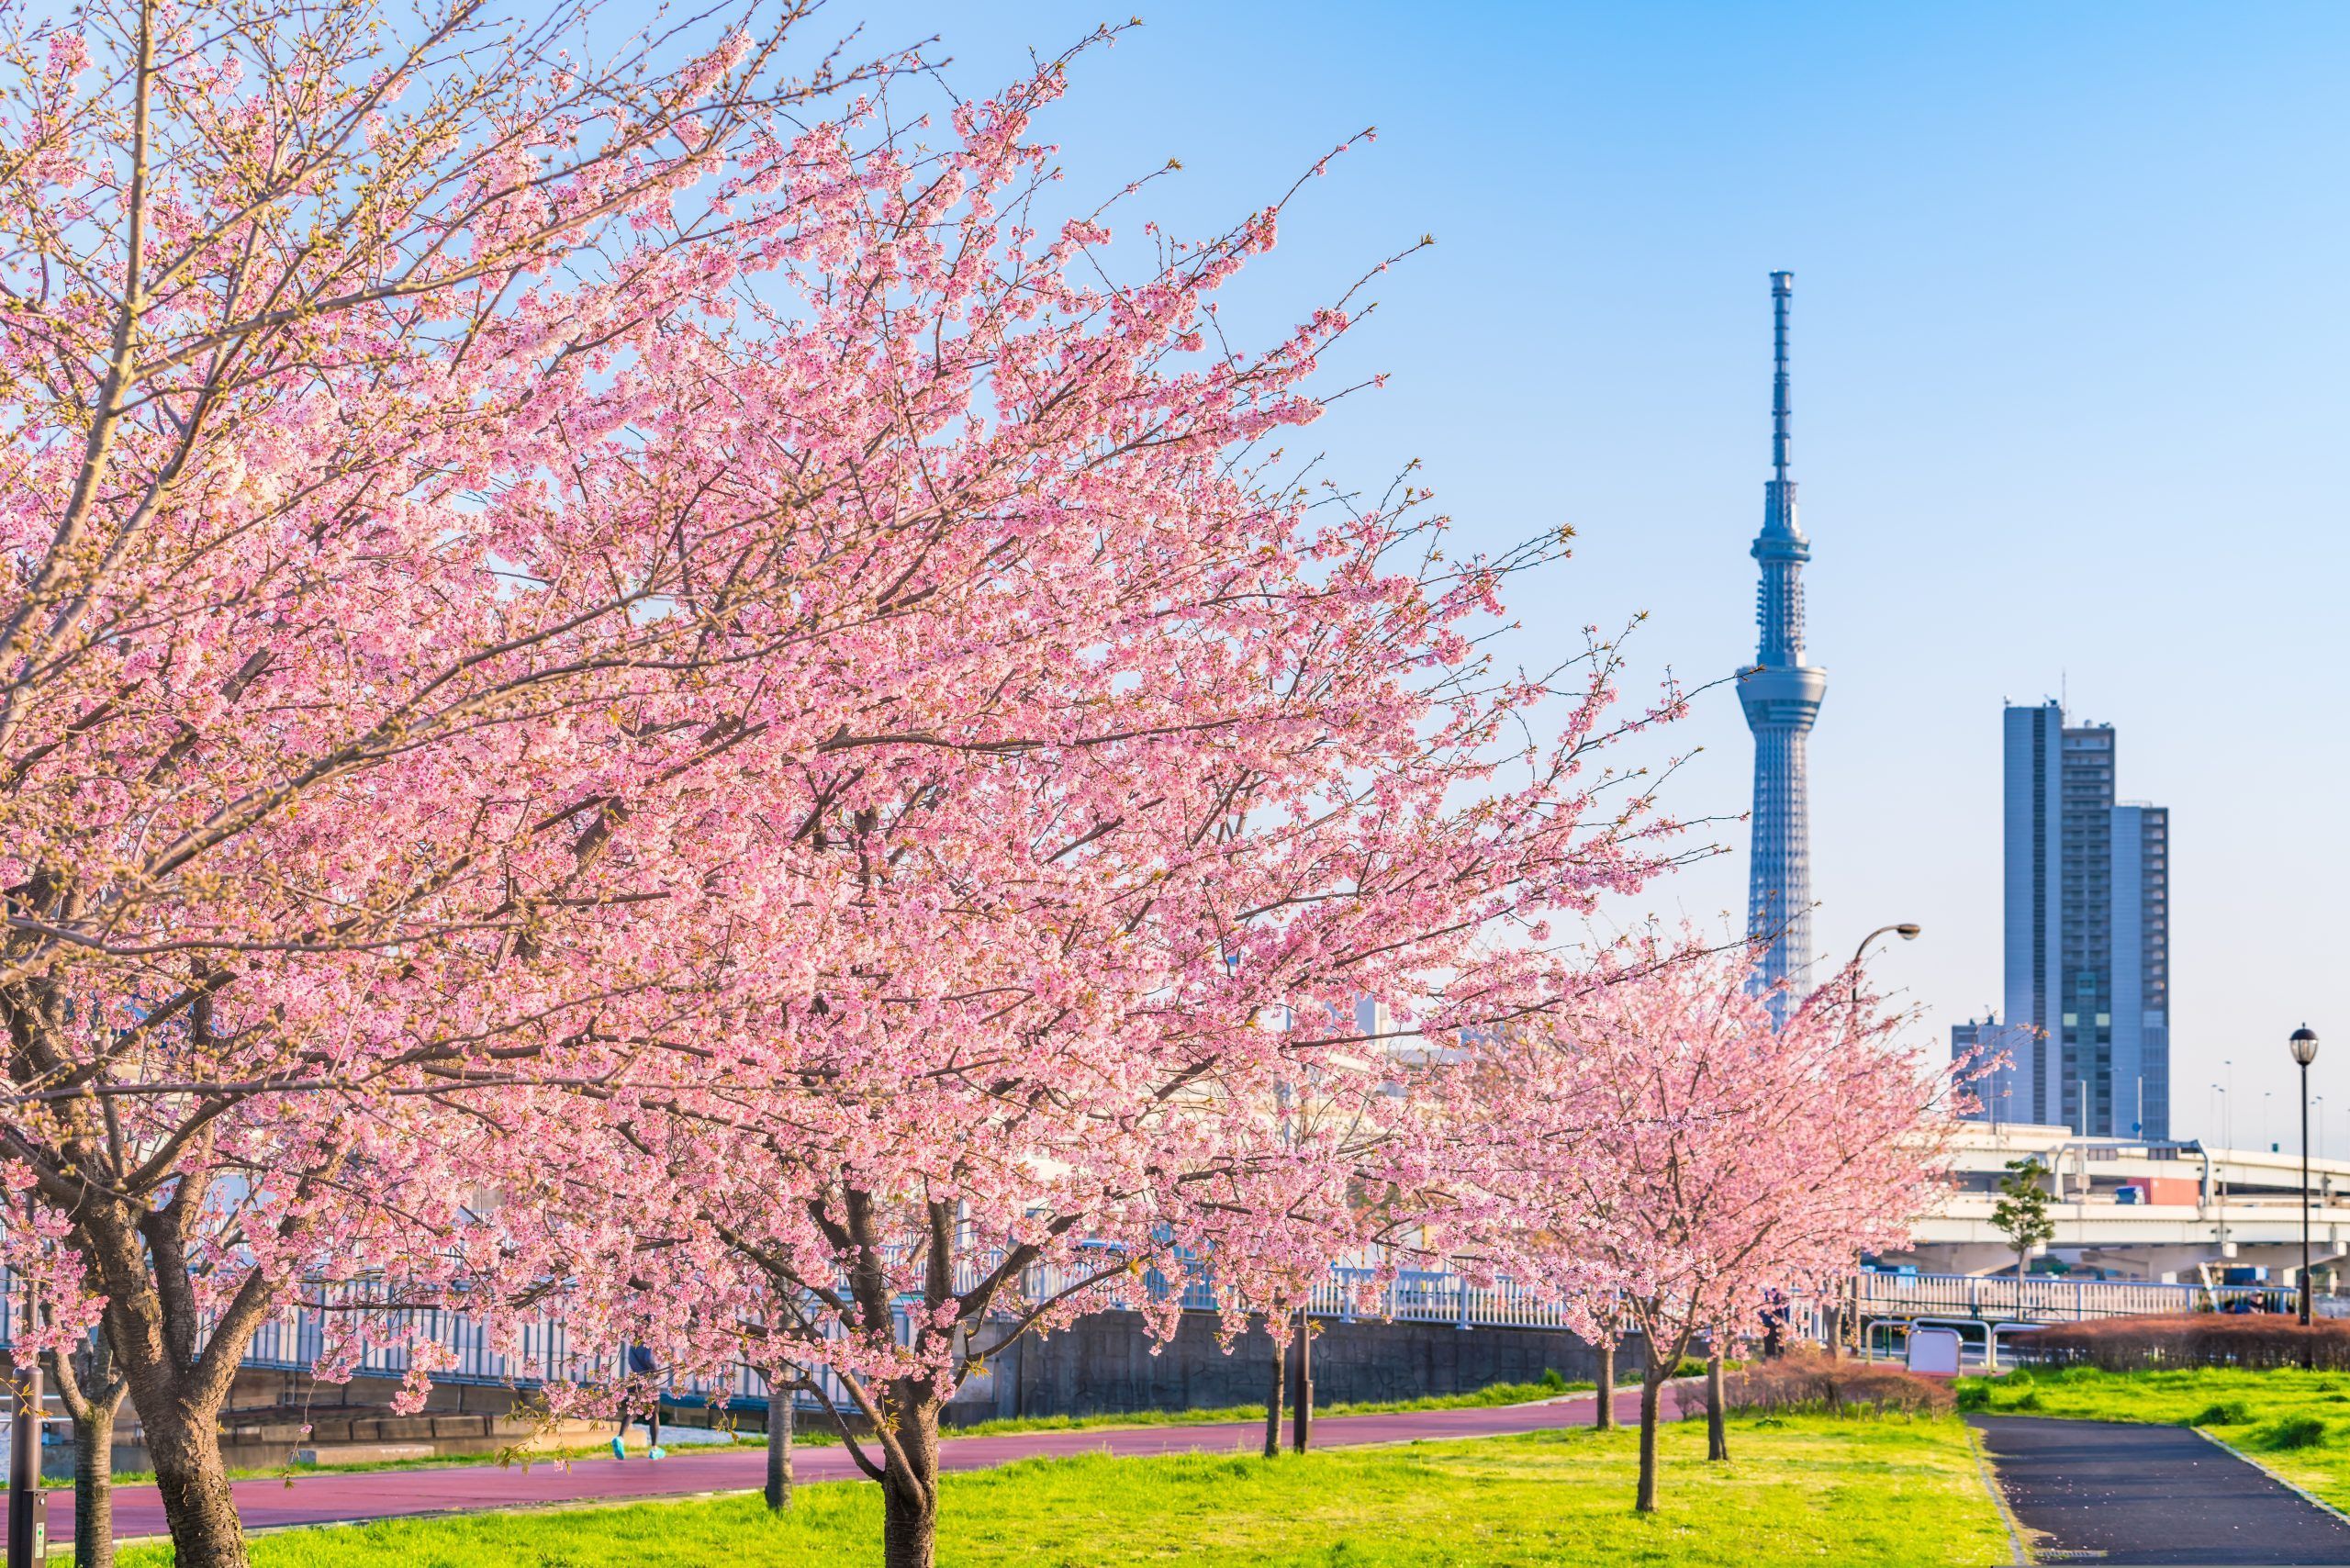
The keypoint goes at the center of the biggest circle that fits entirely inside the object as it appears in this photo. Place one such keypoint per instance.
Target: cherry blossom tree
(365, 563)
(549, 577)
(1677, 1157)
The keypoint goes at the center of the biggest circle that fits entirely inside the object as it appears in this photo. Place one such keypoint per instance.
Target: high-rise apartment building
(2086, 935)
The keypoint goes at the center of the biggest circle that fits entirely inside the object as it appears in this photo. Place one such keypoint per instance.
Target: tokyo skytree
(1781, 695)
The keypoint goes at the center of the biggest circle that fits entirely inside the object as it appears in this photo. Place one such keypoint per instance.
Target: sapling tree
(2021, 1212)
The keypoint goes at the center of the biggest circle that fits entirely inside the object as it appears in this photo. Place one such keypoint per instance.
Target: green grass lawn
(2296, 1423)
(1891, 1492)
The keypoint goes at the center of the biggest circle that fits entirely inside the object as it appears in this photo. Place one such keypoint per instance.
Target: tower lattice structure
(1781, 695)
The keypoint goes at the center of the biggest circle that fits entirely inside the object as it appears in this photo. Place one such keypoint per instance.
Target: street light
(2304, 1048)
(1907, 931)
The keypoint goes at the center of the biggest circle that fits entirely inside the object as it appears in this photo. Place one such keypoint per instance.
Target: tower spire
(1781, 695)
(1783, 284)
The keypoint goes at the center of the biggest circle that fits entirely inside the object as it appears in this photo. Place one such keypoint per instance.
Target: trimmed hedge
(1805, 1381)
(2258, 1341)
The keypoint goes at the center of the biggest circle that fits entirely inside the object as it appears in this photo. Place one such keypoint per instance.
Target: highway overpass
(2136, 1210)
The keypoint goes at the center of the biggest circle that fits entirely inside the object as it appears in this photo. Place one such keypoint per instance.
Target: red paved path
(334, 1499)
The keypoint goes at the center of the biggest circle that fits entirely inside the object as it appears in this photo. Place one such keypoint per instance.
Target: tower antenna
(1782, 286)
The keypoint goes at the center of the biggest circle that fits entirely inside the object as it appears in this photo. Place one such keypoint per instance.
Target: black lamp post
(1907, 931)
(2304, 1046)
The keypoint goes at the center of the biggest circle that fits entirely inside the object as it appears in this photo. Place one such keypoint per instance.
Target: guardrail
(544, 1348)
(1881, 1295)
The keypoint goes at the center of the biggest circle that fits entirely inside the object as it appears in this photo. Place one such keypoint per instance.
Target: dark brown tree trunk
(779, 1489)
(151, 1323)
(1602, 1416)
(1717, 1432)
(92, 1395)
(94, 1489)
(910, 1489)
(184, 1445)
(1278, 1329)
(1301, 1421)
(1651, 1389)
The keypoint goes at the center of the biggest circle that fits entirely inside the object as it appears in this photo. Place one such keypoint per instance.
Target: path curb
(2304, 1493)
(2022, 1557)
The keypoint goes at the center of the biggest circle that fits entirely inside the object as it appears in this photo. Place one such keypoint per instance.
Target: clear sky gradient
(2071, 379)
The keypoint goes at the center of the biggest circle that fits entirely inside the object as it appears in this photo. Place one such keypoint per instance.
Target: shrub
(1807, 1381)
(2257, 1341)
(2231, 1412)
(1552, 1380)
(2292, 1432)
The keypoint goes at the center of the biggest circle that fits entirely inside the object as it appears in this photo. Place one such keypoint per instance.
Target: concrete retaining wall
(1106, 1364)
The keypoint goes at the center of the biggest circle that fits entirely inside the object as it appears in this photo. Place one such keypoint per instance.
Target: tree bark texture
(1717, 1432)
(1602, 1416)
(1300, 1425)
(1651, 1389)
(94, 1489)
(1277, 1328)
(910, 1482)
(92, 1395)
(779, 1489)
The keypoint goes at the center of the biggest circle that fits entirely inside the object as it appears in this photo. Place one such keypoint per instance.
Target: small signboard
(1934, 1352)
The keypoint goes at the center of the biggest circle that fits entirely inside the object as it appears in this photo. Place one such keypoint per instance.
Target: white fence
(1876, 1296)
(544, 1348)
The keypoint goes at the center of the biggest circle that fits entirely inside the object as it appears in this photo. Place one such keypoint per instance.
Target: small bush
(1552, 1380)
(2256, 1341)
(2029, 1401)
(2228, 1413)
(2292, 1432)
(1809, 1382)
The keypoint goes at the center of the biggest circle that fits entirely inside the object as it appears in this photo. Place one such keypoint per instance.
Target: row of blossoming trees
(635, 681)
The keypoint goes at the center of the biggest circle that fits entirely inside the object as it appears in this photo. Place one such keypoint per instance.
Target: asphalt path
(2115, 1491)
(392, 1494)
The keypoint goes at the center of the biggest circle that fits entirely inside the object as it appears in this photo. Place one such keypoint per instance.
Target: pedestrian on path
(640, 1365)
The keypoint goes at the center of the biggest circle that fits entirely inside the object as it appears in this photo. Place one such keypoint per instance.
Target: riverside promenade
(271, 1503)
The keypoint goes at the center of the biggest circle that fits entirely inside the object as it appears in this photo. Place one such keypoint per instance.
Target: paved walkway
(391, 1494)
(2113, 1492)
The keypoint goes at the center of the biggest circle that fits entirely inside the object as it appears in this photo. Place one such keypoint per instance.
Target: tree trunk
(1651, 1387)
(1835, 1336)
(1717, 1433)
(1301, 1421)
(778, 1448)
(91, 1394)
(909, 1490)
(185, 1447)
(93, 1487)
(1603, 1418)
(1278, 1327)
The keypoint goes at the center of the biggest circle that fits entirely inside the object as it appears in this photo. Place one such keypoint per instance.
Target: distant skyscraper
(1781, 695)
(1988, 1036)
(2088, 934)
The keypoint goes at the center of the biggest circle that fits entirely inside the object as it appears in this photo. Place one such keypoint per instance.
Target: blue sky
(2070, 352)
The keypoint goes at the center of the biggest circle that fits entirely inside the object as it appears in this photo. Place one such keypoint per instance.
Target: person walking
(640, 1365)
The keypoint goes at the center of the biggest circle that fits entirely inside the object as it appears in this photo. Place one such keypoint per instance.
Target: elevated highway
(2168, 1212)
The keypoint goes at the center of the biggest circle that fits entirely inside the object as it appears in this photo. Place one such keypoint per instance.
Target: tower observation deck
(1781, 695)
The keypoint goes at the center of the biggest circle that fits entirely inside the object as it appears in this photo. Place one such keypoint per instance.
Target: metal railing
(543, 1348)
(1880, 1296)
